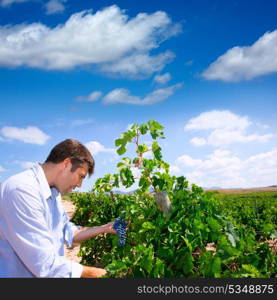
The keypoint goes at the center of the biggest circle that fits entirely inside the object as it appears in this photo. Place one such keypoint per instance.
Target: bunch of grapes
(120, 227)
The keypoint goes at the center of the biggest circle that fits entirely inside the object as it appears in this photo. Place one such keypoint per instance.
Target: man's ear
(66, 162)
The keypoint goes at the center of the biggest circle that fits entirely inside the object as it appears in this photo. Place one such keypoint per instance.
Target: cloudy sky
(205, 69)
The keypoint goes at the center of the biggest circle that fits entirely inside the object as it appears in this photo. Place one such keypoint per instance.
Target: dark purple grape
(120, 227)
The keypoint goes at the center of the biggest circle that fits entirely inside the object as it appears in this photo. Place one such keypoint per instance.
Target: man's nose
(79, 184)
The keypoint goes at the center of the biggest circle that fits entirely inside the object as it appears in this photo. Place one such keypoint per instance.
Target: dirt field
(244, 191)
(71, 253)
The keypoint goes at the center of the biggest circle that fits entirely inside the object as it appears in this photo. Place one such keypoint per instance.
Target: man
(33, 223)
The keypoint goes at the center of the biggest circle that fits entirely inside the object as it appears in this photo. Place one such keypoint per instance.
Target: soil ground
(71, 253)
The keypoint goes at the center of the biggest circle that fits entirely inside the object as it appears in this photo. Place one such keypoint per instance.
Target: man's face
(70, 180)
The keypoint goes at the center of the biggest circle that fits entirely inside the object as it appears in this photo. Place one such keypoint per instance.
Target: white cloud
(224, 128)
(174, 170)
(262, 126)
(55, 6)
(2, 169)
(186, 160)
(220, 168)
(162, 79)
(31, 135)
(217, 119)
(108, 39)
(123, 96)
(93, 96)
(138, 65)
(82, 122)
(24, 164)
(6, 3)
(51, 7)
(263, 163)
(226, 137)
(198, 141)
(96, 147)
(244, 63)
(224, 169)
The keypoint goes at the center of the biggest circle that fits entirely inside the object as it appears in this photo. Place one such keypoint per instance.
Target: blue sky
(205, 69)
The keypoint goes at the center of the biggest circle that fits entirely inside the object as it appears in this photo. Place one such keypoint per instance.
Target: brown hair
(74, 150)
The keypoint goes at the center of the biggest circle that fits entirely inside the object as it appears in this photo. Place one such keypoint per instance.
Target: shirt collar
(44, 185)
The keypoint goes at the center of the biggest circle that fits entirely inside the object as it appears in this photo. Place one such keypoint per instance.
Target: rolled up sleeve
(29, 236)
(69, 230)
(77, 270)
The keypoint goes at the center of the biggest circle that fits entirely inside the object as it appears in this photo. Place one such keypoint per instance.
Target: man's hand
(108, 228)
(92, 272)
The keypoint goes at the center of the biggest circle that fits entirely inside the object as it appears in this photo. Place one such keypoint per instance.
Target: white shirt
(34, 228)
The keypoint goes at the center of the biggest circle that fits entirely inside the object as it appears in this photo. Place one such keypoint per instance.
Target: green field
(208, 235)
(257, 210)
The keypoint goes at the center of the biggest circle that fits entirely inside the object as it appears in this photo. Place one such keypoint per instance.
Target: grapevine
(178, 229)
